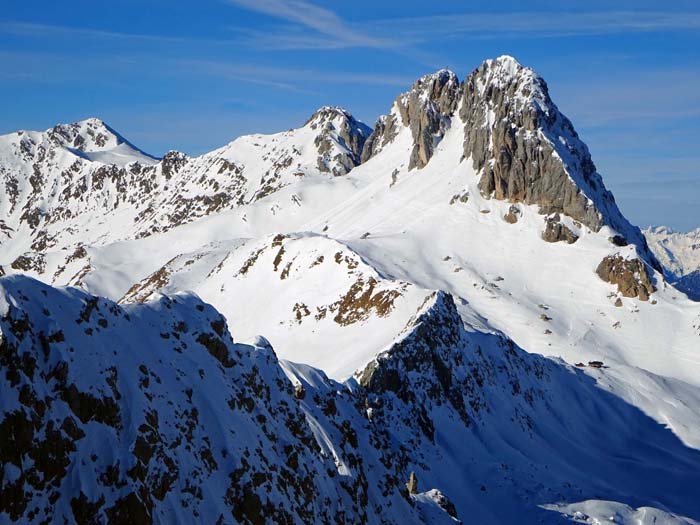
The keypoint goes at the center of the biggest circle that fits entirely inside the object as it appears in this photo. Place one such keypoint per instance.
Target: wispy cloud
(330, 31)
(337, 32)
(57, 67)
(654, 96)
(47, 30)
(529, 24)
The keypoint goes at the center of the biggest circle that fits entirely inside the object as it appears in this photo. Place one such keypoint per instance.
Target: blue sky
(192, 75)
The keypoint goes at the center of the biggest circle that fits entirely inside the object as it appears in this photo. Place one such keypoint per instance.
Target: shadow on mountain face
(499, 430)
(123, 411)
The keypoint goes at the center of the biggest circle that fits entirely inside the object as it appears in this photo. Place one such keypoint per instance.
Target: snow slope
(316, 290)
(60, 195)
(409, 226)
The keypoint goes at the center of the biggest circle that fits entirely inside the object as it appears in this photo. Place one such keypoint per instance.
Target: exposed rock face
(630, 275)
(172, 163)
(385, 131)
(425, 109)
(336, 124)
(525, 149)
(528, 151)
(96, 429)
(444, 378)
(412, 485)
(151, 414)
(555, 231)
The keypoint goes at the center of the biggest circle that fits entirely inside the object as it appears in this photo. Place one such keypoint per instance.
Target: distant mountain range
(680, 255)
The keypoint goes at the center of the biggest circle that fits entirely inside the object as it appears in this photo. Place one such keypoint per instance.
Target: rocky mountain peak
(326, 114)
(522, 147)
(425, 109)
(340, 139)
(440, 88)
(87, 135)
(527, 151)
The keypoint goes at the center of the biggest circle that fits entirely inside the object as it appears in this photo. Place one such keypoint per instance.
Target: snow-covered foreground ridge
(420, 270)
(150, 413)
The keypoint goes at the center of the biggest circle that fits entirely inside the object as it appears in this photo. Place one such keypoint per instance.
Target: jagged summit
(339, 141)
(91, 139)
(523, 148)
(525, 86)
(424, 109)
(91, 134)
(527, 151)
(332, 113)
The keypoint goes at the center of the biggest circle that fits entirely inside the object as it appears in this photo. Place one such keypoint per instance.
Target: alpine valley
(441, 319)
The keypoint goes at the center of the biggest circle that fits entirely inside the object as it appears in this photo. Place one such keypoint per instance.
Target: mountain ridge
(113, 435)
(517, 169)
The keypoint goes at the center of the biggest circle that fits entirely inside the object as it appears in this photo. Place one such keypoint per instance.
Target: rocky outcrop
(555, 231)
(337, 127)
(526, 149)
(422, 370)
(513, 215)
(630, 275)
(171, 163)
(425, 109)
(385, 131)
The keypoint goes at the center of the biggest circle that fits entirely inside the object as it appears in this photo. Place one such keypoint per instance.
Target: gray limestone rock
(412, 484)
(425, 109)
(385, 130)
(513, 215)
(526, 149)
(336, 125)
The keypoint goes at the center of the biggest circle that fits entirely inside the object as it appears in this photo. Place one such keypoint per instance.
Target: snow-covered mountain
(150, 413)
(421, 270)
(64, 189)
(679, 253)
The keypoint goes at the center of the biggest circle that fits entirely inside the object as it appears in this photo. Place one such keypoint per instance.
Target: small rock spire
(412, 484)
